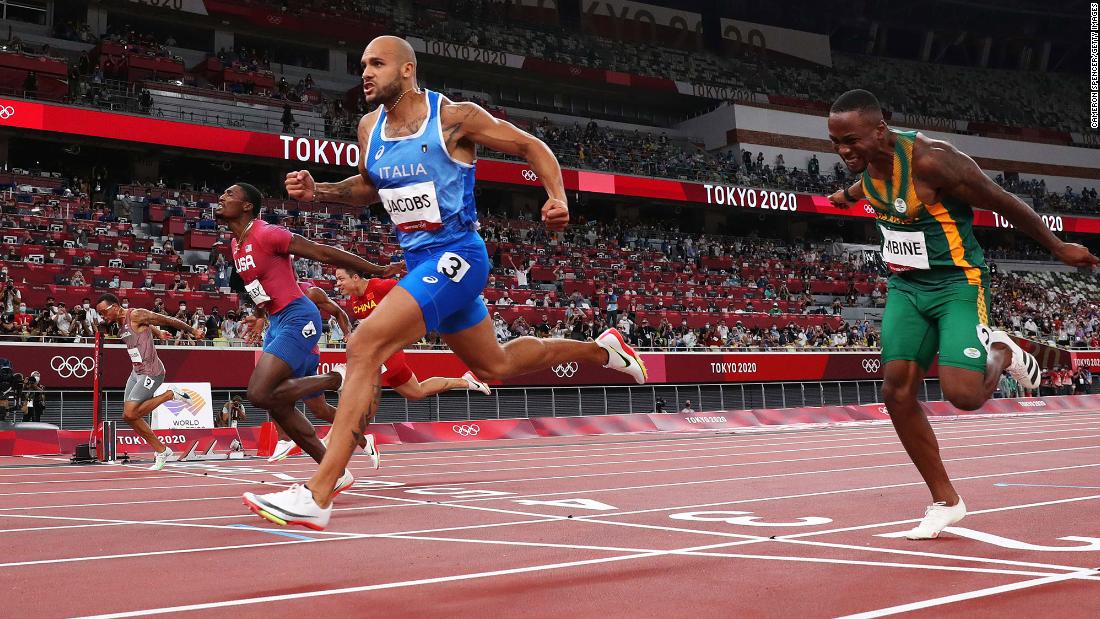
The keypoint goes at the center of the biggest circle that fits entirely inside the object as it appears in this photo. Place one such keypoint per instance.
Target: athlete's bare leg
(901, 383)
(320, 409)
(294, 389)
(269, 373)
(414, 390)
(969, 390)
(479, 350)
(133, 413)
(396, 323)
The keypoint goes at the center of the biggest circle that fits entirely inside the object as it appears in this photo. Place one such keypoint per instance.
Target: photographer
(10, 297)
(232, 413)
(82, 326)
(7, 325)
(34, 398)
(11, 391)
(43, 326)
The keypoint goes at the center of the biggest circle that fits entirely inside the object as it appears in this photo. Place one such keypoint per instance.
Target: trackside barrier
(260, 440)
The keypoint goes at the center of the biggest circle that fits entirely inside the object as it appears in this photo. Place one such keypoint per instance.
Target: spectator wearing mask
(93, 316)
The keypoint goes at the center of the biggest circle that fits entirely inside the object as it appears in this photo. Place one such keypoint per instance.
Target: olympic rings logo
(6, 112)
(72, 367)
(871, 366)
(566, 370)
(867, 208)
(529, 175)
(466, 430)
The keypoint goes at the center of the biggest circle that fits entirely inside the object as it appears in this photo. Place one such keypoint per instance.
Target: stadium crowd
(102, 83)
(662, 287)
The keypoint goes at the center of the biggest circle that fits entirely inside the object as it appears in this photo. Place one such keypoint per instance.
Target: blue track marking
(274, 532)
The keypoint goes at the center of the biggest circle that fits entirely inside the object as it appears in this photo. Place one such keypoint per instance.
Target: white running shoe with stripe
(1024, 367)
(372, 451)
(295, 505)
(161, 459)
(937, 517)
(475, 384)
(342, 370)
(282, 450)
(620, 356)
(346, 481)
(180, 395)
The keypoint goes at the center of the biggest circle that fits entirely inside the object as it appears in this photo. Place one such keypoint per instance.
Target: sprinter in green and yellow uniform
(922, 191)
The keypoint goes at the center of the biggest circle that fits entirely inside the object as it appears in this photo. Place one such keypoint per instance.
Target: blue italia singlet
(428, 194)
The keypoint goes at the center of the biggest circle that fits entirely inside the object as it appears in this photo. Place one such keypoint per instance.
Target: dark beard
(388, 94)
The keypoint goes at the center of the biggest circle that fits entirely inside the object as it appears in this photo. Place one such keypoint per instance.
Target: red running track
(763, 524)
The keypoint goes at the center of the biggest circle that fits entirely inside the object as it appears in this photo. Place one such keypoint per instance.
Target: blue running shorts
(447, 284)
(292, 336)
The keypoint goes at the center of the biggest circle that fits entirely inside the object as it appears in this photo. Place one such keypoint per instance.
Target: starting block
(193, 454)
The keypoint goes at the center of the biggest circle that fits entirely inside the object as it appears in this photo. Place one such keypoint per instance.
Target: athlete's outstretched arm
(354, 190)
(847, 197)
(954, 173)
(327, 305)
(143, 317)
(301, 246)
(469, 121)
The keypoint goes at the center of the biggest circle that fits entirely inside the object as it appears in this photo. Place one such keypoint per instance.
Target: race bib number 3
(904, 251)
(453, 266)
(257, 293)
(413, 208)
(135, 355)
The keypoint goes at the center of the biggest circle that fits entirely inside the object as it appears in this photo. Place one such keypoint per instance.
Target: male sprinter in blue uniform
(418, 160)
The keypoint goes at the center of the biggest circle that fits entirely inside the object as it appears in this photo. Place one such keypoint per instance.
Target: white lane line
(463, 577)
(972, 595)
(128, 489)
(392, 505)
(944, 436)
(839, 546)
(538, 518)
(896, 452)
(839, 491)
(756, 441)
(744, 478)
(168, 475)
(240, 481)
(113, 503)
(700, 553)
(178, 473)
(727, 451)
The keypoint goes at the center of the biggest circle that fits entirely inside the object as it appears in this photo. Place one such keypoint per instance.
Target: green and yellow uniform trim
(938, 293)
